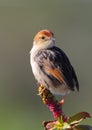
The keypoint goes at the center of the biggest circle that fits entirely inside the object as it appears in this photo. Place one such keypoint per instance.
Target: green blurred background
(71, 21)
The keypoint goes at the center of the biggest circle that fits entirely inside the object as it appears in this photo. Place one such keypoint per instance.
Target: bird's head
(44, 39)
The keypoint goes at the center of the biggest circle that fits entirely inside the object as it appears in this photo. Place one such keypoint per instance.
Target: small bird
(50, 65)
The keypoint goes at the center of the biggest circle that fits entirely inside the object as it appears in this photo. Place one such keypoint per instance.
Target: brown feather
(55, 72)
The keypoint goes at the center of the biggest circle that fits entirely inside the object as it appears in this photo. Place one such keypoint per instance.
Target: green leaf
(76, 119)
(83, 127)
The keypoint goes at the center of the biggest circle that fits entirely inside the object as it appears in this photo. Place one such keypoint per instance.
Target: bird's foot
(43, 89)
(62, 100)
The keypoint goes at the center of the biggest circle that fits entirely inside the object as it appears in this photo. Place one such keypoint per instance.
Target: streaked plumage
(50, 65)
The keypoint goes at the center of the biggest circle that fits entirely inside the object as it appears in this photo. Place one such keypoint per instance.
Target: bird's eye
(43, 37)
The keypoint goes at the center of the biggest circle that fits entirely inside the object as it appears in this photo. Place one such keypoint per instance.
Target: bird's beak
(53, 39)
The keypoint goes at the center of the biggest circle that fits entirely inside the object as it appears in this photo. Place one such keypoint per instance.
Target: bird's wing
(50, 68)
(75, 79)
(54, 62)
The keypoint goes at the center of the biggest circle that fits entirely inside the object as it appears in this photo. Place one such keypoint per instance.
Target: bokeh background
(71, 21)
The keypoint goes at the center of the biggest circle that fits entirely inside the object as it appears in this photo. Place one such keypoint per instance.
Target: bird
(50, 65)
